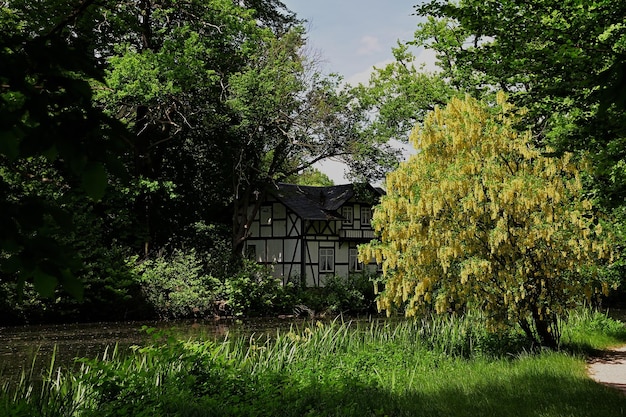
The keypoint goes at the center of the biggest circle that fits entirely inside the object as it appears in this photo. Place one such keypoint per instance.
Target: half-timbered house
(308, 233)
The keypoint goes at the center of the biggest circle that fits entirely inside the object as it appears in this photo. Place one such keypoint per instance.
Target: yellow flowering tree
(480, 218)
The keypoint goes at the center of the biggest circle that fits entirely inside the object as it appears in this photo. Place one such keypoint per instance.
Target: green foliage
(588, 331)
(176, 286)
(351, 295)
(347, 369)
(112, 287)
(49, 123)
(479, 218)
(399, 95)
(343, 295)
(310, 176)
(563, 61)
(253, 291)
(18, 304)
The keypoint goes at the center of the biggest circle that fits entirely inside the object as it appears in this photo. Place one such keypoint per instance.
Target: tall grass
(51, 394)
(438, 367)
(589, 331)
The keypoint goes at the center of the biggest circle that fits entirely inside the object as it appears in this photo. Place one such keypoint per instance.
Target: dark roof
(320, 203)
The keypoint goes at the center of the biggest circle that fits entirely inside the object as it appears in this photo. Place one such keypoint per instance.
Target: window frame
(251, 252)
(366, 216)
(324, 255)
(348, 219)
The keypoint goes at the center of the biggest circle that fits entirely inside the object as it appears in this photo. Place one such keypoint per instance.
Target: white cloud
(363, 77)
(369, 45)
(427, 61)
(335, 170)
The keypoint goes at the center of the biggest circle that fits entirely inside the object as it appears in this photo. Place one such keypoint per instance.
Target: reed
(437, 367)
(53, 393)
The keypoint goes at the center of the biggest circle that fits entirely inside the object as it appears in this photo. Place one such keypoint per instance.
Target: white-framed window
(348, 214)
(355, 265)
(327, 259)
(366, 216)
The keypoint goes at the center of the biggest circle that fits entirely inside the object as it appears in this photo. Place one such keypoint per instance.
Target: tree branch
(69, 18)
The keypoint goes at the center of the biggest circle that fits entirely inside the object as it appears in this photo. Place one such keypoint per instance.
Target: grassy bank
(442, 367)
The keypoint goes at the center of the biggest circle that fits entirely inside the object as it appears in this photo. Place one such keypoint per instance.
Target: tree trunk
(528, 330)
(544, 325)
(244, 211)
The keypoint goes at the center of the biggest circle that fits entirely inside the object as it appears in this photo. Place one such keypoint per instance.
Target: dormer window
(348, 215)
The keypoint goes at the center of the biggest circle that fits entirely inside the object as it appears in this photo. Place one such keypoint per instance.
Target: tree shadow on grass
(521, 396)
(524, 395)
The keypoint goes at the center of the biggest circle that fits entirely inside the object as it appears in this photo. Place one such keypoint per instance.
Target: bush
(177, 287)
(19, 305)
(112, 287)
(253, 291)
(351, 295)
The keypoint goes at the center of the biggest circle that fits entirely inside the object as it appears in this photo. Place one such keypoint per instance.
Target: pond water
(24, 346)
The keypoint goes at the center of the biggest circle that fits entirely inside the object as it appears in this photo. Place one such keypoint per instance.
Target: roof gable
(319, 203)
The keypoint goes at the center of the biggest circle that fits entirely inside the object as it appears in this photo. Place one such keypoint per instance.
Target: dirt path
(610, 369)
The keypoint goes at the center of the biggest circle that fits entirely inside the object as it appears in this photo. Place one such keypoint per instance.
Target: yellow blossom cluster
(481, 216)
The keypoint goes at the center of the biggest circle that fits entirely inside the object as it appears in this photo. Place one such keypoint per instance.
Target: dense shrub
(17, 305)
(112, 286)
(351, 295)
(177, 287)
(253, 291)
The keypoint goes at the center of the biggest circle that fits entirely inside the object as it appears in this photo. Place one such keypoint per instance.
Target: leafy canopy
(55, 144)
(565, 61)
(399, 95)
(479, 217)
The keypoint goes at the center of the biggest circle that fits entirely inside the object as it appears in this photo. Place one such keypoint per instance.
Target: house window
(327, 259)
(355, 265)
(366, 216)
(348, 215)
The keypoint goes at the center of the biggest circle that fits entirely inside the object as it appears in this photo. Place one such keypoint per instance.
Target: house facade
(308, 233)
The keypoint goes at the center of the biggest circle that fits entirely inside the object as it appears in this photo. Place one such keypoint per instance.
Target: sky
(352, 36)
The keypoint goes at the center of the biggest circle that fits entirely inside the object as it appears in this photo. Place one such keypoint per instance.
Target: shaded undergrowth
(439, 367)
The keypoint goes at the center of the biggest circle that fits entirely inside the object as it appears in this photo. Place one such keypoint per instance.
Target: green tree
(399, 95)
(291, 118)
(562, 60)
(168, 69)
(480, 218)
(223, 105)
(310, 176)
(56, 146)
